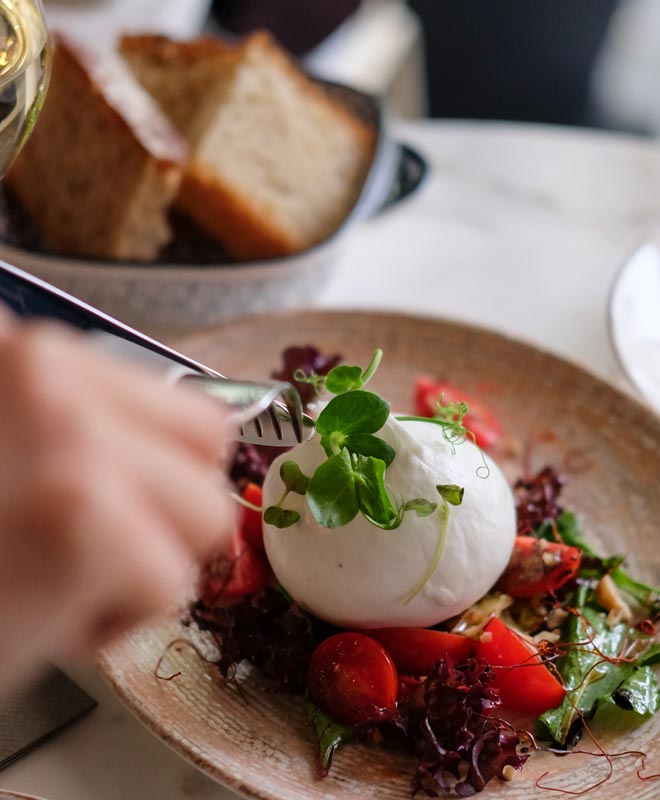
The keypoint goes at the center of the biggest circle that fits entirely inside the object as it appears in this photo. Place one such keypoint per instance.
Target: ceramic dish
(6, 795)
(196, 291)
(607, 446)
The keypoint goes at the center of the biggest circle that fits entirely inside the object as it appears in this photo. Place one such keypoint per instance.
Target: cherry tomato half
(228, 579)
(539, 567)
(479, 419)
(524, 682)
(415, 650)
(251, 521)
(353, 679)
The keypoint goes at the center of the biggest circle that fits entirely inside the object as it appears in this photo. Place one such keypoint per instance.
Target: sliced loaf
(275, 163)
(103, 164)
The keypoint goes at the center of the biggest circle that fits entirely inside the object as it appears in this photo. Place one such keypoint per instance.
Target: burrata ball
(360, 576)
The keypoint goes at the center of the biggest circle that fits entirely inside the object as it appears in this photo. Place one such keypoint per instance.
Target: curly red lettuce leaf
(266, 630)
(461, 747)
(536, 500)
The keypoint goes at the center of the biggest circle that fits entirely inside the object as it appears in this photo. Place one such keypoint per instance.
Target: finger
(7, 319)
(133, 569)
(192, 495)
(54, 363)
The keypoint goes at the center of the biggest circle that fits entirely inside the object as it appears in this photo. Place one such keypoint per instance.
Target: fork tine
(267, 413)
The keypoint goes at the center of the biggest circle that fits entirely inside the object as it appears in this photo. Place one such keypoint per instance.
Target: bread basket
(175, 297)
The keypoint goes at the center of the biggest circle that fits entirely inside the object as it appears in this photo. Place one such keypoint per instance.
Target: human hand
(109, 492)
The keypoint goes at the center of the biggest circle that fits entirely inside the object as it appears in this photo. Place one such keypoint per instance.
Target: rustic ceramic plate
(607, 446)
(18, 796)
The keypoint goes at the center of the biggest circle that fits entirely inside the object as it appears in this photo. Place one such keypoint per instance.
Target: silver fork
(268, 413)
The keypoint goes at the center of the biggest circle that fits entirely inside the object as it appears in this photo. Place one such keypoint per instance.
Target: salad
(387, 574)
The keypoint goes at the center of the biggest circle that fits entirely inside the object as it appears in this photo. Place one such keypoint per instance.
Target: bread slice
(103, 164)
(275, 163)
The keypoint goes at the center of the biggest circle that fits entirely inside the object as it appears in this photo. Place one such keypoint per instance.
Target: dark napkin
(35, 713)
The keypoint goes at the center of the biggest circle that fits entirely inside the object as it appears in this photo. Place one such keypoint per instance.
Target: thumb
(7, 319)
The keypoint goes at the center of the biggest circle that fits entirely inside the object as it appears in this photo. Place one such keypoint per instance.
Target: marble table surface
(518, 228)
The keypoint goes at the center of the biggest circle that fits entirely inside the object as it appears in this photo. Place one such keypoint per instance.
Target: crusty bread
(103, 164)
(275, 163)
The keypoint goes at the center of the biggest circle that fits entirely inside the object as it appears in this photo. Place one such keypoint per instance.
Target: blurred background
(572, 62)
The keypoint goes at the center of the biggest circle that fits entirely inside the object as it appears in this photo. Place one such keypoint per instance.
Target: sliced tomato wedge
(479, 419)
(251, 521)
(228, 579)
(539, 567)
(524, 682)
(415, 650)
(353, 679)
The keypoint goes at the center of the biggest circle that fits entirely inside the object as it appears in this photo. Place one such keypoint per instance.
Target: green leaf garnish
(293, 478)
(594, 673)
(280, 517)
(638, 692)
(366, 444)
(421, 507)
(353, 412)
(343, 379)
(329, 734)
(451, 493)
(651, 656)
(373, 500)
(332, 496)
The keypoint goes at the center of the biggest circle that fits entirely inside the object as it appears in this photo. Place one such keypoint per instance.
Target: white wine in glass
(24, 73)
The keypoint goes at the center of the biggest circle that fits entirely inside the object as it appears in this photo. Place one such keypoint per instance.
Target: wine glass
(24, 72)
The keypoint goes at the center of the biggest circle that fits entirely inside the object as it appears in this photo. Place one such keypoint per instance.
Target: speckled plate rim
(228, 777)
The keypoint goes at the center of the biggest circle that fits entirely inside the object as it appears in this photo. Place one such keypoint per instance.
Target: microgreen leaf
(451, 493)
(280, 517)
(293, 478)
(366, 444)
(353, 412)
(421, 507)
(331, 495)
(373, 499)
(343, 379)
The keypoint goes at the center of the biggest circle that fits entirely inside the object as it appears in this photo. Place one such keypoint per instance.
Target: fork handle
(31, 297)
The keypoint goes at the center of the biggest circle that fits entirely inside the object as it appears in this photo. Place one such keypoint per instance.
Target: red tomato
(353, 679)
(525, 684)
(479, 419)
(415, 650)
(227, 580)
(539, 567)
(251, 521)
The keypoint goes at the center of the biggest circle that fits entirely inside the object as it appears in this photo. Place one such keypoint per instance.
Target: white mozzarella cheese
(358, 576)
